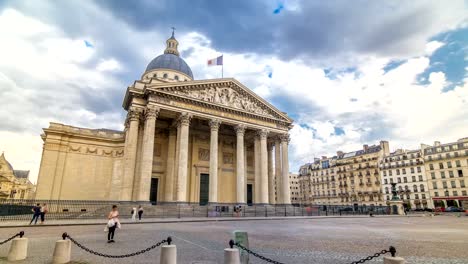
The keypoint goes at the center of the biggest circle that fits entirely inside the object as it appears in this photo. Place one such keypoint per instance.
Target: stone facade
(406, 169)
(14, 184)
(295, 189)
(185, 141)
(446, 168)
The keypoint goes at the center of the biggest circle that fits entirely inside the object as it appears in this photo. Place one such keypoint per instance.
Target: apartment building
(447, 172)
(305, 186)
(406, 169)
(346, 179)
(294, 186)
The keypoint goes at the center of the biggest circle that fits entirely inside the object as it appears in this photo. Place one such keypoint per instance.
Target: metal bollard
(168, 253)
(231, 254)
(62, 251)
(18, 248)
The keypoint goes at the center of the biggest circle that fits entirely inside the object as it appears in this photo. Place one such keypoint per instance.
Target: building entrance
(204, 188)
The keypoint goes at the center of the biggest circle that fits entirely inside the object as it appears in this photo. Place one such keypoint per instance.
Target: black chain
(256, 254)
(20, 234)
(168, 240)
(392, 250)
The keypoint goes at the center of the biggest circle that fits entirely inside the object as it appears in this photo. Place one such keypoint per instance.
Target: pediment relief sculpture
(228, 97)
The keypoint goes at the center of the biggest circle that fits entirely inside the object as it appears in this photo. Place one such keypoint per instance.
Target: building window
(403, 171)
(449, 164)
(405, 179)
(413, 178)
(412, 170)
(423, 196)
(420, 178)
(385, 181)
(399, 180)
(433, 175)
(451, 174)
(462, 183)
(386, 190)
(416, 196)
(408, 197)
(457, 163)
(415, 188)
(384, 173)
(421, 187)
(453, 184)
(442, 174)
(460, 173)
(176, 78)
(436, 194)
(397, 171)
(455, 193)
(391, 180)
(434, 185)
(431, 166)
(165, 75)
(441, 165)
(444, 184)
(390, 172)
(464, 193)
(419, 169)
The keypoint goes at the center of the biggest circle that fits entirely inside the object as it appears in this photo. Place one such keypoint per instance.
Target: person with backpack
(36, 213)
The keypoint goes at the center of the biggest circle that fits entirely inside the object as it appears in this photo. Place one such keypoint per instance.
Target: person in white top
(134, 213)
(112, 224)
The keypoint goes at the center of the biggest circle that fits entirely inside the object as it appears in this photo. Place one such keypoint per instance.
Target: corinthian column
(169, 181)
(271, 176)
(257, 169)
(285, 173)
(143, 191)
(183, 127)
(213, 184)
(278, 172)
(263, 167)
(240, 170)
(133, 118)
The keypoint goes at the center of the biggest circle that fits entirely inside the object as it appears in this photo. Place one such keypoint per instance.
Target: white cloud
(109, 65)
(433, 46)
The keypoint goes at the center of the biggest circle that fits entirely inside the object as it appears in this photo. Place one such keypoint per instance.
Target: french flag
(216, 61)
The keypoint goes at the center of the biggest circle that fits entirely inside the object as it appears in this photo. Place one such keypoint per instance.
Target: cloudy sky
(348, 72)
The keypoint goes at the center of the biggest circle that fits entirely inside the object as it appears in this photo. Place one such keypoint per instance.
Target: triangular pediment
(226, 93)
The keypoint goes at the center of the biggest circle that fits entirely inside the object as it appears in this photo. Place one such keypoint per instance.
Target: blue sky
(349, 72)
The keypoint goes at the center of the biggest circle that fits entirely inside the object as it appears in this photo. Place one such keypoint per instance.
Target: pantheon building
(185, 141)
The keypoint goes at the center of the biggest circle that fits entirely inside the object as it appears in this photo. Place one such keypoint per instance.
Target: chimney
(339, 153)
(436, 143)
(365, 147)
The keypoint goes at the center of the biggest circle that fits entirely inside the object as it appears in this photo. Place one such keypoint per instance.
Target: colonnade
(270, 156)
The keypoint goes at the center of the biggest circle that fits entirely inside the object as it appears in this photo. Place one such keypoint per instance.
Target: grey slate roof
(170, 61)
(21, 174)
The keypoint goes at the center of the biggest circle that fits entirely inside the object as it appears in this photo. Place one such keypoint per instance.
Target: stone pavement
(419, 240)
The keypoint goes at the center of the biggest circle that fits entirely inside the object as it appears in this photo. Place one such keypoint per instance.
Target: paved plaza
(440, 239)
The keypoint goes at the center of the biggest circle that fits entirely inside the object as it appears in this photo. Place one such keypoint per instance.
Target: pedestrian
(44, 211)
(112, 224)
(36, 213)
(134, 213)
(140, 212)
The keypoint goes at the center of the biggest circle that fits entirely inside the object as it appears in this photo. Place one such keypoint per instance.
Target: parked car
(453, 209)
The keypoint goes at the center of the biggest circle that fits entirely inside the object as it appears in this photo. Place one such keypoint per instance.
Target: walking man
(36, 213)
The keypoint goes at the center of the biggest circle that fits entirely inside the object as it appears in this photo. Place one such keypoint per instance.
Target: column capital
(151, 112)
(134, 113)
(284, 138)
(262, 134)
(214, 124)
(184, 119)
(240, 129)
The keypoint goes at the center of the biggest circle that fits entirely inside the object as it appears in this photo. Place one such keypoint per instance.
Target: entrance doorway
(204, 188)
(249, 194)
(154, 190)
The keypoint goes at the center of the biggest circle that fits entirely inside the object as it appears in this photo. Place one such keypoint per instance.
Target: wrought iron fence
(15, 210)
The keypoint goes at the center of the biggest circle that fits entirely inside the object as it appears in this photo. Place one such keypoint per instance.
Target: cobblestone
(332, 240)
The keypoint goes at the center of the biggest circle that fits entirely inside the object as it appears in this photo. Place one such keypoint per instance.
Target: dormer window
(154, 75)
(165, 76)
(176, 78)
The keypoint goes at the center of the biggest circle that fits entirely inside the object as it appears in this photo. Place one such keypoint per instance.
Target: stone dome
(170, 61)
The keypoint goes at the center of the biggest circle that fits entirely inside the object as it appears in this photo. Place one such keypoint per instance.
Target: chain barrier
(232, 244)
(168, 241)
(20, 234)
(392, 250)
